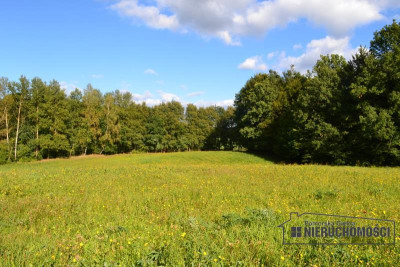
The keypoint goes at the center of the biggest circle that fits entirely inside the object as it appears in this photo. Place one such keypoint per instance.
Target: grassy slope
(182, 208)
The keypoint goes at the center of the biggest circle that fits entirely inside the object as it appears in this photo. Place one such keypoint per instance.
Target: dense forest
(340, 112)
(40, 121)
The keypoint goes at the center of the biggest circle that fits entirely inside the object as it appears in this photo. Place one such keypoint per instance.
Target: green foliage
(374, 90)
(257, 106)
(51, 124)
(3, 152)
(200, 125)
(386, 40)
(318, 113)
(340, 113)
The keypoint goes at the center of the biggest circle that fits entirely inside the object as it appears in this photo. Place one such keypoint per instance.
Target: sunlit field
(193, 209)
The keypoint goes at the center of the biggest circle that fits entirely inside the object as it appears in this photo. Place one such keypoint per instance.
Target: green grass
(197, 208)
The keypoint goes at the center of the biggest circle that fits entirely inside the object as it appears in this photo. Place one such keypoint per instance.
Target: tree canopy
(341, 112)
(39, 120)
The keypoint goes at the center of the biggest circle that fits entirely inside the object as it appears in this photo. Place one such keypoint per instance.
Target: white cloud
(142, 97)
(314, 50)
(150, 72)
(338, 16)
(386, 3)
(151, 100)
(230, 19)
(297, 46)
(195, 94)
(97, 76)
(168, 97)
(253, 63)
(227, 38)
(147, 98)
(223, 103)
(68, 87)
(164, 97)
(150, 15)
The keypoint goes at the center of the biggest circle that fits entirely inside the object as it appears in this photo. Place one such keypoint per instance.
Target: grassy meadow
(193, 209)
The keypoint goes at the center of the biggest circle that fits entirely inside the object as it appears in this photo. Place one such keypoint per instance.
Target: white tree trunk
(37, 133)
(16, 135)
(7, 134)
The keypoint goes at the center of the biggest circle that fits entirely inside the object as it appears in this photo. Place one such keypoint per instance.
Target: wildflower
(53, 257)
(282, 258)
(81, 244)
(205, 253)
(183, 234)
(215, 260)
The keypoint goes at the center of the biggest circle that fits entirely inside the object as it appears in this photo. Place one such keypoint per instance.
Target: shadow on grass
(268, 157)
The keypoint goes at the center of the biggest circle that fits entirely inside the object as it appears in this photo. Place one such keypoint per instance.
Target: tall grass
(197, 208)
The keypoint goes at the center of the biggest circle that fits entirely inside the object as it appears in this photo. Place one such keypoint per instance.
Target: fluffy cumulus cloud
(164, 97)
(314, 50)
(168, 97)
(142, 97)
(68, 87)
(151, 100)
(230, 19)
(223, 103)
(253, 63)
(150, 15)
(280, 61)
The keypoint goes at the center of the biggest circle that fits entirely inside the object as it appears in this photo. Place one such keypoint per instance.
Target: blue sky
(193, 51)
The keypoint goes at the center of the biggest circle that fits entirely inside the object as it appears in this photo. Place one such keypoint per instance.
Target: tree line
(340, 112)
(39, 121)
